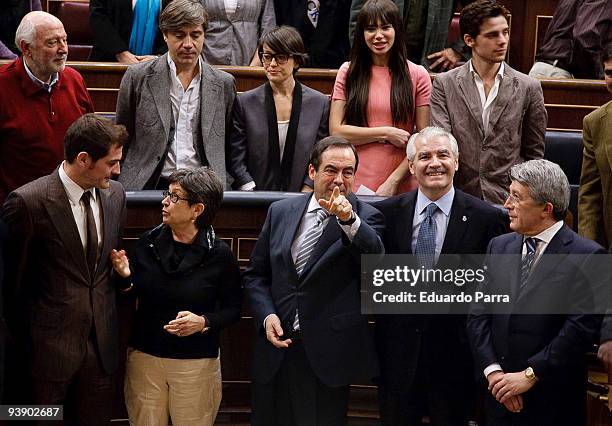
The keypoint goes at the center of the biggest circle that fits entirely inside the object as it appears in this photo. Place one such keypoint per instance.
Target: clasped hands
(337, 205)
(507, 388)
(185, 324)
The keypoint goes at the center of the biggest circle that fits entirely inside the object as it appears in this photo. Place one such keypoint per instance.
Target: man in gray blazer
(496, 114)
(176, 108)
(60, 299)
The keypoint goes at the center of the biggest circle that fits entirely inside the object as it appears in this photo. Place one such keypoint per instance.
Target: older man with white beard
(39, 100)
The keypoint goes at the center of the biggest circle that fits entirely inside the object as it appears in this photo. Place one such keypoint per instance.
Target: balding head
(27, 28)
(42, 40)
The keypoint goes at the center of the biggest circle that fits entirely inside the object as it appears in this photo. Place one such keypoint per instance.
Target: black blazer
(553, 345)
(334, 333)
(471, 226)
(111, 23)
(249, 144)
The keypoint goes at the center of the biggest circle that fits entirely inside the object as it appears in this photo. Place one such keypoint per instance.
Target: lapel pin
(464, 218)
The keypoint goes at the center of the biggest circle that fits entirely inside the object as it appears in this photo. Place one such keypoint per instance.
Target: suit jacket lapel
(158, 82)
(456, 225)
(108, 219)
(546, 264)
(472, 98)
(406, 211)
(606, 125)
(506, 91)
(60, 213)
(290, 225)
(512, 260)
(209, 98)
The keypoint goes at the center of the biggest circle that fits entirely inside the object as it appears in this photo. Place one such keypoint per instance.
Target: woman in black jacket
(188, 288)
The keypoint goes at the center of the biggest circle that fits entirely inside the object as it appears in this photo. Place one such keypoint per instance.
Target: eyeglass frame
(174, 197)
(275, 57)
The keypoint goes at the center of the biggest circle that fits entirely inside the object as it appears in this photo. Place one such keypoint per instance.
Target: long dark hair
(360, 70)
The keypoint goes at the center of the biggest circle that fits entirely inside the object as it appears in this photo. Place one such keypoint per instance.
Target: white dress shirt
(185, 103)
(487, 101)
(74, 193)
(543, 239)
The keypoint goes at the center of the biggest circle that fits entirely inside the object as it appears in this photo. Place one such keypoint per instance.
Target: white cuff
(351, 230)
(249, 186)
(492, 368)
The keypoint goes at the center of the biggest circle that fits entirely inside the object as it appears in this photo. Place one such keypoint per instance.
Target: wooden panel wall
(567, 101)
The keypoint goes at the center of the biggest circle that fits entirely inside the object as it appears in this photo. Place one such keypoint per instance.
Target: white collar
(500, 72)
(73, 189)
(444, 203)
(548, 234)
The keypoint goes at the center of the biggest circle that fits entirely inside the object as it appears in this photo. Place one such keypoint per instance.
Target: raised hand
(121, 263)
(338, 205)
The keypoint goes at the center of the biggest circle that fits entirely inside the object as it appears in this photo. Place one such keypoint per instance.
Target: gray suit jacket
(144, 107)
(249, 145)
(47, 271)
(517, 125)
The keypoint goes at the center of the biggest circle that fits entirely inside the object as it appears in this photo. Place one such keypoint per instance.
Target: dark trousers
(446, 397)
(296, 397)
(87, 397)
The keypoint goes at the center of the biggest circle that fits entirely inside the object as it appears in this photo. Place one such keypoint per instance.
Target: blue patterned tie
(426, 240)
(527, 262)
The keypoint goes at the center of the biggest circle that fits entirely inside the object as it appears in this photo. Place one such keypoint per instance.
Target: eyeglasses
(174, 197)
(280, 58)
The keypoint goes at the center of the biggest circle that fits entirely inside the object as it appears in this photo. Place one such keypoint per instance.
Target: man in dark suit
(62, 228)
(303, 284)
(532, 351)
(425, 360)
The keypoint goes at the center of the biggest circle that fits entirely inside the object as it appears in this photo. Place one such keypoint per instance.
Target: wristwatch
(530, 374)
(351, 220)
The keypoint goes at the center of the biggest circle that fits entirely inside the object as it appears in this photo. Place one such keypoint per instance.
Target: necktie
(426, 240)
(527, 262)
(312, 11)
(308, 244)
(310, 241)
(91, 249)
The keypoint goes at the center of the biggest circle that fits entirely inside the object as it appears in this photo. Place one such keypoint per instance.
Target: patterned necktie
(528, 259)
(426, 240)
(91, 250)
(310, 241)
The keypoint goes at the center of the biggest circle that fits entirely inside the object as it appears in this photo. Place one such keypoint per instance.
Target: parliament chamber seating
(75, 17)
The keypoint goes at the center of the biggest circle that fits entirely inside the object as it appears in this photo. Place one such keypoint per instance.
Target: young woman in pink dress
(378, 99)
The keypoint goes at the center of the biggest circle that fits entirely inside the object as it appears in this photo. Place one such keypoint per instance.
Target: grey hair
(546, 182)
(181, 13)
(428, 133)
(26, 31)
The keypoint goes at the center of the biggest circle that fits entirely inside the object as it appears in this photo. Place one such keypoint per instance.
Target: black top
(111, 24)
(170, 277)
(328, 43)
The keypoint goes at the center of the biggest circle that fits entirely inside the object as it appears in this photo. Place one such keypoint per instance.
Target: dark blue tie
(426, 240)
(528, 259)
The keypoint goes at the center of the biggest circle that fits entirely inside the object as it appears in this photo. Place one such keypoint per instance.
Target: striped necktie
(528, 259)
(310, 241)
